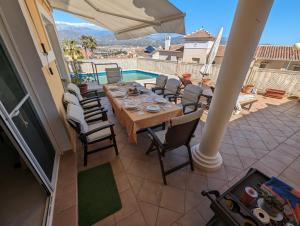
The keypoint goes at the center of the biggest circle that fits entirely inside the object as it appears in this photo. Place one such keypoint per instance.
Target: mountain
(105, 37)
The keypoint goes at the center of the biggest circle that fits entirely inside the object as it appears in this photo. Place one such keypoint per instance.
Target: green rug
(98, 196)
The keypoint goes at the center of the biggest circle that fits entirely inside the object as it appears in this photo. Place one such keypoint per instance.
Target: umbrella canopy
(127, 18)
(206, 69)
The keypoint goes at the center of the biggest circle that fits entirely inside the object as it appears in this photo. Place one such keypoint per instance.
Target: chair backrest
(191, 94)
(184, 82)
(113, 75)
(181, 129)
(161, 81)
(72, 88)
(75, 116)
(70, 98)
(172, 85)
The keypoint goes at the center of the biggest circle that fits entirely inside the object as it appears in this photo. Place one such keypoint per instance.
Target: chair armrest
(91, 91)
(155, 138)
(110, 125)
(93, 110)
(90, 99)
(195, 105)
(96, 113)
(148, 83)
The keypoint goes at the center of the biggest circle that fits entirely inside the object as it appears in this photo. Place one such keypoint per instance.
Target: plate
(153, 108)
(161, 100)
(118, 94)
(130, 106)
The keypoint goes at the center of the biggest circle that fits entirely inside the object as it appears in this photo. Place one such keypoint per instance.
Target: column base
(204, 162)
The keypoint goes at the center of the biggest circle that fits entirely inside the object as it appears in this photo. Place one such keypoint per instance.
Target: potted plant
(78, 80)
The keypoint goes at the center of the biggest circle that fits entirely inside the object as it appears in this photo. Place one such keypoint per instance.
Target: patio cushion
(74, 89)
(70, 98)
(172, 86)
(186, 118)
(91, 104)
(99, 134)
(75, 114)
(161, 81)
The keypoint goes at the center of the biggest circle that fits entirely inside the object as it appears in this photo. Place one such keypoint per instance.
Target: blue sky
(283, 26)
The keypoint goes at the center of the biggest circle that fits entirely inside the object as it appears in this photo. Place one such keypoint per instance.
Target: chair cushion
(99, 134)
(75, 114)
(186, 118)
(91, 104)
(74, 89)
(70, 98)
(191, 94)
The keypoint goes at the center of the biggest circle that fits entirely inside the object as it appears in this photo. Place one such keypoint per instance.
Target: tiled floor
(267, 137)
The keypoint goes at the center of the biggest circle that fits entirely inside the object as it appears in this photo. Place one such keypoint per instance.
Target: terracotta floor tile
(149, 212)
(192, 218)
(122, 182)
(150, 192)
(192, 200)
(166, 217)
(136, 183)
(173, 199)
(108, 221)
(135, 219)
(196, 183)
(129, 205)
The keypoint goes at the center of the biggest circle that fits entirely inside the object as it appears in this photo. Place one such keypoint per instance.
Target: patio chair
(72, 88)
(113, 75)
(189, 98)
(167, 140)
(86, 102)
(171, 88)
(92, 114)
(91, 133)
(159, 85)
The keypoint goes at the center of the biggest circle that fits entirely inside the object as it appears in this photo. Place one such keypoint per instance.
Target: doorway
(24, 201)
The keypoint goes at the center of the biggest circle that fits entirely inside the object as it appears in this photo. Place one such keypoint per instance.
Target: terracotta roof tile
(277, 52)
(200, 34)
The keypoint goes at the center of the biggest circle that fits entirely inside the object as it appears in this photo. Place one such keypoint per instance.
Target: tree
(88, 42)
(70, 48)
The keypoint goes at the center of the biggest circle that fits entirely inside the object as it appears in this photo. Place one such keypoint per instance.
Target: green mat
(98, 196)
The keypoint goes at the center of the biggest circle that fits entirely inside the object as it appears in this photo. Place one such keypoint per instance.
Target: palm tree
(70, 48)
(88, 42)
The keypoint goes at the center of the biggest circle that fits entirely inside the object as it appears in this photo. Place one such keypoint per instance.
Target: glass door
(20, 116)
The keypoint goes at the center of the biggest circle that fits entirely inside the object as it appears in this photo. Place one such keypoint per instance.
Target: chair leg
(85, 154)
(150, 148)
(113, 137)
(190, 157)
(161, 166)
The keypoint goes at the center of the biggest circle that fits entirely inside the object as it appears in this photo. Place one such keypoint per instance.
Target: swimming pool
(128, 76)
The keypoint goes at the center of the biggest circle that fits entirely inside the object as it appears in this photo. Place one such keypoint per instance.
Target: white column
(249, 21)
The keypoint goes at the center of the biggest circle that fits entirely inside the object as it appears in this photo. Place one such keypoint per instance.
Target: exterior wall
(277, 79)
(278, 64)
(27, 32)
(196, 49)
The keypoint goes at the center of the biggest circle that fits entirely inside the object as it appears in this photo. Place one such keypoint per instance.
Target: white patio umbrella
(127, 18)
(206, 69)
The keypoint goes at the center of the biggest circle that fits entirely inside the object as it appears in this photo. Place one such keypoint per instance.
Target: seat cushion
(91, 104)
(99, 134)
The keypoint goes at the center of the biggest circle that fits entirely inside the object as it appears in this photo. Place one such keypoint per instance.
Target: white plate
(118, 94)
(161, 100)
(130, 106)
(153, 108)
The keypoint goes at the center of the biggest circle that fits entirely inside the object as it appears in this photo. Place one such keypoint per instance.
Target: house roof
(277, 52)
(177, 48)
(200, 34)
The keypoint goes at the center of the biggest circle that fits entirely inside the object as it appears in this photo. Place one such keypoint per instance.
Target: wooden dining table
(139, 118)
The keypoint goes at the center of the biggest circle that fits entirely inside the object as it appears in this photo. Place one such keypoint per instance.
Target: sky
(283, 25)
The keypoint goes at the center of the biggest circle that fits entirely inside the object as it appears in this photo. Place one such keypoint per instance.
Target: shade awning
(127, 18)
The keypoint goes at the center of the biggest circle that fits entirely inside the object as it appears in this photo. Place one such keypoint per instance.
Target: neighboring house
(277, 57)
(175, 53)
(197, 46)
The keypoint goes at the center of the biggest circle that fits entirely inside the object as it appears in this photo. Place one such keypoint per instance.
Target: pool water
(128, 76)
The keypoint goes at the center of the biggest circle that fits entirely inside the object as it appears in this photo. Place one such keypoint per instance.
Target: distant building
(149, 49)
(197, 46)
(167, 42)
(277, 57)
(175, 53)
